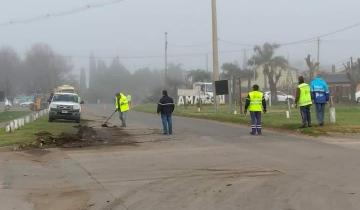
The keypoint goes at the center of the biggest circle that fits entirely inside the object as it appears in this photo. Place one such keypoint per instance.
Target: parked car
(357, 96)
(65, 106)
(26, 104)
(281, 96)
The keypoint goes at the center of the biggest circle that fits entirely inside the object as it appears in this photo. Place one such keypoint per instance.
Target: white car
(281, 96)
(26, 103)
(357, 96)
(65, 106)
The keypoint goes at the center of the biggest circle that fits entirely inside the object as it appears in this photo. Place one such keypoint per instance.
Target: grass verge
(348, 118)
(27, 134)
(10, 115)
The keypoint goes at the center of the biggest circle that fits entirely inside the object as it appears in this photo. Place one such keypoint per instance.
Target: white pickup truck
(65, 106)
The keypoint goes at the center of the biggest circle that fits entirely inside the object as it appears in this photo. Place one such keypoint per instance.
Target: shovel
(107, 120)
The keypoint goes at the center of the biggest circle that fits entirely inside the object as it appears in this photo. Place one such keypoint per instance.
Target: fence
(16, 124)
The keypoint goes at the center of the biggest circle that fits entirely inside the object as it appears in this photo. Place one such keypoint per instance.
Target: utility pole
(207, 61)
(318, 50)
(215, 50)
(166, 59)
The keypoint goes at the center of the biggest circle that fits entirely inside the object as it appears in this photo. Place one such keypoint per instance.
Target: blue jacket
(319, 90)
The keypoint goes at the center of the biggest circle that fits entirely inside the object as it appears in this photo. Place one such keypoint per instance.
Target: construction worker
(122, 105)
(256, 104)
(320, 94)
(303, 100)
(166, 107)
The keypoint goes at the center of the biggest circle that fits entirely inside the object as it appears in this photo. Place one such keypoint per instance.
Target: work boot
(259, 131)
(309, 125)
(303, 126)
(253, 131)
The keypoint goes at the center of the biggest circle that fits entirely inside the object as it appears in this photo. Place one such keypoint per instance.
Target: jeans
(167, 123)
(305, 115)
(255, 122)
(123, 116)
(320, 112)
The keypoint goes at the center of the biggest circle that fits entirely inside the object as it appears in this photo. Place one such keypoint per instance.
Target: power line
(236, 43)
(191, 45)
(59, 14)
(304, 41)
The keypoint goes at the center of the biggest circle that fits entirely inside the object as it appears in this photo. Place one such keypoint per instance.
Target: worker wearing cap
(122, 105)
(304, 101)
(256, 104)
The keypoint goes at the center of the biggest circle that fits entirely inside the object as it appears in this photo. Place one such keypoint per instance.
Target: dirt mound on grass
(85, 137)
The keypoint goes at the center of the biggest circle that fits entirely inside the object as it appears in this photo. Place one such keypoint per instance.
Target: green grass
(348, 118)
(10, 115)
(27, 133)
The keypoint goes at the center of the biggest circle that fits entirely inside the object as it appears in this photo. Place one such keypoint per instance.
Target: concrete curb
(16, 124)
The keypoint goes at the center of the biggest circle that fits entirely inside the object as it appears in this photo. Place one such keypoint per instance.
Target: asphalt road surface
(205, 166)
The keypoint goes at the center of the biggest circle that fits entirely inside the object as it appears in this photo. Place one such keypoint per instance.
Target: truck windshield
(66, 98)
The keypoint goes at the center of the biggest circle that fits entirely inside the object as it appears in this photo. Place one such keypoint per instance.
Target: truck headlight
(53, 106)
(76, 107)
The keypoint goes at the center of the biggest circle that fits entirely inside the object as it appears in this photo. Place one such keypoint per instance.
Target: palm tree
(272, 65)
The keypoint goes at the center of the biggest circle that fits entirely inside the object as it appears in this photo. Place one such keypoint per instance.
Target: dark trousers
(167, 123)
(255, 122)
(320, 112)
(305, 115)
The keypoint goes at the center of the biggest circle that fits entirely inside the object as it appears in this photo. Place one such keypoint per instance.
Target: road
(205, 166)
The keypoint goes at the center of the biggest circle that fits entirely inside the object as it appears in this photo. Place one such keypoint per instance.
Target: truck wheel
(77, 121)
(51, 119)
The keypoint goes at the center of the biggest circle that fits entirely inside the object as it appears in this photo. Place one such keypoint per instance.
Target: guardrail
(16, 124)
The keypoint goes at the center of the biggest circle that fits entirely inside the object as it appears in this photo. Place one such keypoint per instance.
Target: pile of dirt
(85, 137)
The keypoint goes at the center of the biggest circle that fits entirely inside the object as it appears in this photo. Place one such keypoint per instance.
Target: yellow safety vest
(256, 98)
(305, 95)
(122, 103)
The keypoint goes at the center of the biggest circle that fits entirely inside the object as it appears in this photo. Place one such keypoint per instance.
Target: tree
(230, 70)
(83, 81)
(198, 75)
(176, 78)
(272, 65)
(313, 66)
(9, 69)
(233, 70)
(44, 69)
(353, 73)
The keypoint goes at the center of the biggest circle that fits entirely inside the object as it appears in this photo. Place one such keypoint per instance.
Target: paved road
(205, 165)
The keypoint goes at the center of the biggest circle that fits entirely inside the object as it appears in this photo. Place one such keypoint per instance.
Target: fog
(133, 30)
(136, 28)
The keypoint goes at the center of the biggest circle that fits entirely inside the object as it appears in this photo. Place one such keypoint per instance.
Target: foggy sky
(136, 28)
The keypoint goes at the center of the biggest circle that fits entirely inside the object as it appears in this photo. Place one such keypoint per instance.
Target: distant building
(287, 81)
(339, 85)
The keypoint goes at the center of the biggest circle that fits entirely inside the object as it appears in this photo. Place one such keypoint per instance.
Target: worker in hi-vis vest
(304, 101)
(256, 104)
(122, 105)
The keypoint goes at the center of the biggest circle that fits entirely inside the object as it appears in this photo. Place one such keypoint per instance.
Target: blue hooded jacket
(319, 90)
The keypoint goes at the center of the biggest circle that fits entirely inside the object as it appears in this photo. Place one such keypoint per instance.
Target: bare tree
(44, 69)
(9, 69)
(313, 67)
